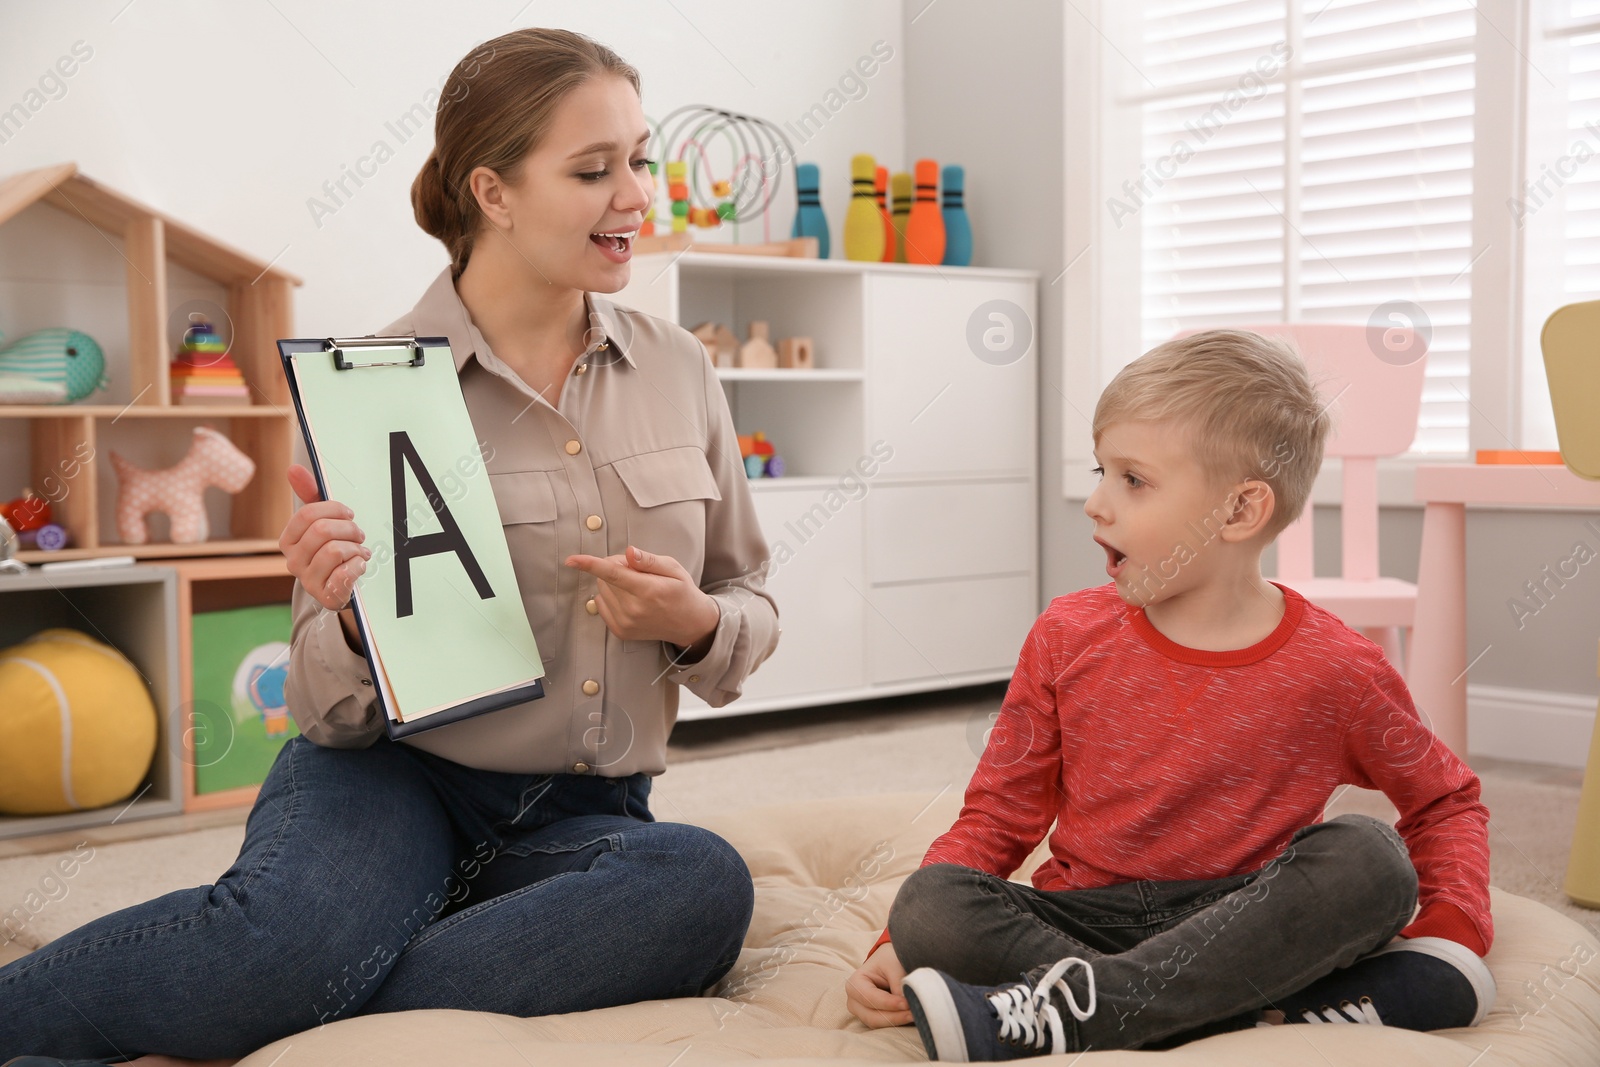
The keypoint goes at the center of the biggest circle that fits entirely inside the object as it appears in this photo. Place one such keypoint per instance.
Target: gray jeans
(1173, 961)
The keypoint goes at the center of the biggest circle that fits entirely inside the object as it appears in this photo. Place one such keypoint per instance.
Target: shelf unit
(134, 609)
(66, 441)
(924, 573)
(217, 585)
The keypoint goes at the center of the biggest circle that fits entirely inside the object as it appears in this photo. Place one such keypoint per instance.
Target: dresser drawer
(949, 531)
(942, 629)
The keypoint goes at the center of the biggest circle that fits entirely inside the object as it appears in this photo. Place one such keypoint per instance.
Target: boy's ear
(1253, 506)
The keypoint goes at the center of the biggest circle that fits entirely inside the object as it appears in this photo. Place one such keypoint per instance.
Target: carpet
(933, 749)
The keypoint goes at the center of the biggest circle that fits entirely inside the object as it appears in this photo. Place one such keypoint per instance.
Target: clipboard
(440, 614)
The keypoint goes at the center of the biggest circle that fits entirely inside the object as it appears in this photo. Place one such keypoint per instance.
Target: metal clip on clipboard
(337, 346)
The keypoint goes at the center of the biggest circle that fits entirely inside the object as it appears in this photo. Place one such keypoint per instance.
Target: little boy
(1183, 727)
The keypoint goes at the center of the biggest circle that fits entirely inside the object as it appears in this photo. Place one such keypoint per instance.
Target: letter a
(449, 539)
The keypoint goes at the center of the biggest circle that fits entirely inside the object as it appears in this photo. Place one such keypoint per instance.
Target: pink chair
(1375, 403)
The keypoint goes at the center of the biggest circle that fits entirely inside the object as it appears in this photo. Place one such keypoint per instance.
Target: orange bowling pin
(925, 226)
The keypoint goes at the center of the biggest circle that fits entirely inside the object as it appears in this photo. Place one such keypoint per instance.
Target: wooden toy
(62, 677)
(648, 227)
(203, 372)
(900, 188)
(809, 221)
(760, 458)
(756, 151)
(880, 189)
(757, 353)
(55, 366)
(51, 537)
(795, 353)
(957, 228)
(722, 347)
(925, 226)
(863, 227)
(179, 490)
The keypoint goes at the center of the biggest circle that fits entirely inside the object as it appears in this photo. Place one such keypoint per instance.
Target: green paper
(455, 645)
(239, 720)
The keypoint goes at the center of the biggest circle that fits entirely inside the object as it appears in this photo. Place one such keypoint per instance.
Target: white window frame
(1509, 400)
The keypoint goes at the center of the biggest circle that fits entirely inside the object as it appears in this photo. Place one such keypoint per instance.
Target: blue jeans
(386, 879)
(1173, 961)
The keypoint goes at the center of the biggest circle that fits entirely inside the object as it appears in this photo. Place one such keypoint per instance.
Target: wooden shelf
(143, 411)
(240, 581)
(821, 374)
(67, 442)
(239, 546)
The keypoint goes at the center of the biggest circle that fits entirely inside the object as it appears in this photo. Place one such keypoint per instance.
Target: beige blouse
(639, 449)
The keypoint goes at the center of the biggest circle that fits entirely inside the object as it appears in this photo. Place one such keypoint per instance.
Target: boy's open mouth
(1115, 558)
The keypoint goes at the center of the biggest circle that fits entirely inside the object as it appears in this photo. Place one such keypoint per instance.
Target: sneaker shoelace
(1027, 1016)
(1363, 1013)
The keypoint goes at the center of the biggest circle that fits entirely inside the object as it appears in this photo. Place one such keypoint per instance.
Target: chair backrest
(1572, 367)
(1371, 378)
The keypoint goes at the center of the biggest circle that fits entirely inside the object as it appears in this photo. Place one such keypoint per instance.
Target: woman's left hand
(644, 596)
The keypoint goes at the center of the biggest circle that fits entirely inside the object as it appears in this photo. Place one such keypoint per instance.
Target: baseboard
(1531, 725)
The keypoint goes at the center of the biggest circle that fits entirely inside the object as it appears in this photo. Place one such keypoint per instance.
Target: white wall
(232, 117)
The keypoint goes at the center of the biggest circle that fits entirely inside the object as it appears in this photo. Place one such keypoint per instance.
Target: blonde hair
(1247, 402)
(495, 108)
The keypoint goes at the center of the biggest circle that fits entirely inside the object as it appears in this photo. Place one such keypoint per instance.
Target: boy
(1183, 728)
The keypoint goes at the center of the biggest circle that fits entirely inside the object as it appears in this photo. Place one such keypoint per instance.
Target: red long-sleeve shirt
(1157, 761)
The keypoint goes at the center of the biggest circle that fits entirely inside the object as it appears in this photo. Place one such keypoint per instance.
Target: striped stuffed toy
(55, 366)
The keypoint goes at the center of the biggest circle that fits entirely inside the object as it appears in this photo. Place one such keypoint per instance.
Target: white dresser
(905, 530)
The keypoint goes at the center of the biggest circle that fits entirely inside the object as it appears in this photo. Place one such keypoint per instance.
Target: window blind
(1310, 165)
(1581, 222)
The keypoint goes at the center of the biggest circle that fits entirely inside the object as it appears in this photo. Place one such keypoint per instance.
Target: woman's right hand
(322, 543)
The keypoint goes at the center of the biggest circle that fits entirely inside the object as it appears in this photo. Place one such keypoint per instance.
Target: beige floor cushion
(825, 874)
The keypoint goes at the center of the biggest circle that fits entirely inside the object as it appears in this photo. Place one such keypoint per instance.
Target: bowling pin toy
(957, 230)
(925, 226)
(900, 187)
(809, 221)
(880, 188)
(863, 225)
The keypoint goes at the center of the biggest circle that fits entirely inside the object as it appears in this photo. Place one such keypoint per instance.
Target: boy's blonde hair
(1246, 401)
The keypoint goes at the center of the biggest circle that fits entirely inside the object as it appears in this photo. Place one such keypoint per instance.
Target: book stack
(203, 372)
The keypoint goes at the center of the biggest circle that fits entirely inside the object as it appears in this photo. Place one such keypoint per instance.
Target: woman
(509, 862)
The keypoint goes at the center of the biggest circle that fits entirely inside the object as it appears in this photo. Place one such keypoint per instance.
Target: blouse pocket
(527, 503)
(668, 490)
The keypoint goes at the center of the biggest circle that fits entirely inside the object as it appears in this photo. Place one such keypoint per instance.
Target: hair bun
(434, 208)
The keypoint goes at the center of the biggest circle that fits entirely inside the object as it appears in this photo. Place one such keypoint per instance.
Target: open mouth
(616, 245)
(1115, 558)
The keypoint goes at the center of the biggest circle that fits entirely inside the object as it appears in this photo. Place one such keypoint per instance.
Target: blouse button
(581, 368)
(573, 448)
(591, 687)
(694, 677)
(580, 768)
(593, 522)
(591, 607)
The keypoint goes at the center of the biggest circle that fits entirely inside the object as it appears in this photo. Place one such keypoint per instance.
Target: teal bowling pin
(809, 221)
(957, 230)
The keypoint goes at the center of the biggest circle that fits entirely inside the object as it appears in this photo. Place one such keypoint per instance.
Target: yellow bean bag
(77, 725)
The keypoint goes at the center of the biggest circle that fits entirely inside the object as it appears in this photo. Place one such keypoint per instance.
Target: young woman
(506, 863)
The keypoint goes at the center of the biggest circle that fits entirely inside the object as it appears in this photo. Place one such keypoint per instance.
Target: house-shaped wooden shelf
(260, 305)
